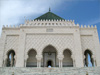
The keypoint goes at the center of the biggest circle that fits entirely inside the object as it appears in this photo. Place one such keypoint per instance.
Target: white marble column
(26, 58)
(40, 63)
(12, 59)
(37, 63)
(60, 58)
(38, 57)
(61, 63)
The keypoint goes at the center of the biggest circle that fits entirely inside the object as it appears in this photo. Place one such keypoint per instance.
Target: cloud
(12, 12)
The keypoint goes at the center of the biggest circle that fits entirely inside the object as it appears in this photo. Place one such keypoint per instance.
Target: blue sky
(84, 12)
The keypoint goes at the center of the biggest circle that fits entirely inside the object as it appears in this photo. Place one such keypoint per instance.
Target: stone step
(50, 71)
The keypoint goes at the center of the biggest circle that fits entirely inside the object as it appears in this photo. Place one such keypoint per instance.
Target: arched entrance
(88, 61)
(31, 61)
(10, 62)
(67, 61)
(49, 56)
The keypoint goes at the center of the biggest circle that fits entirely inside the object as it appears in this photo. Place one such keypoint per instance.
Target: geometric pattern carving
(12, 42)
(39, 41)
(87, 42)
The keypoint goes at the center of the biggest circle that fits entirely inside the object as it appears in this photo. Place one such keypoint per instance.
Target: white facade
(58, 35)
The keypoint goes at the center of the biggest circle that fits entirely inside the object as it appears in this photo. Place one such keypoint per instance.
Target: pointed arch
(49, 45)
(67, 60)
(88, 51)
(68, 50)
(49, 53)
(31, 49)
(10, 61)
(88, 60)
(31, 61)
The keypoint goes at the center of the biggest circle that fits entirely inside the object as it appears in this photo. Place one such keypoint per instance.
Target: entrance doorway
(49, 56)
(49, 63)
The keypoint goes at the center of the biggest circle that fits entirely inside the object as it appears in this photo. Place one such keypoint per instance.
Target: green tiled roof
(49, 16)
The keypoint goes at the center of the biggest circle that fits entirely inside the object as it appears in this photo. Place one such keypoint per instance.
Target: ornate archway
(67, 60)
(49, 53)
(10, 61)
(31, 61)
(88, 61)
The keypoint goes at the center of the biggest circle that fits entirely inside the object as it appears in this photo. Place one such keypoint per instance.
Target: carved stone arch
(68, 58)
(31, 58)
(88, 50)
(31, 49)
(49, 52)
(10, 59)
(51, 46)
(28, 52)
(86, 60)
(68, 49)
(10, 50)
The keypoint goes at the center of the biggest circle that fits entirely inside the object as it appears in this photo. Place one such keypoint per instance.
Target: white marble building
(49, 40)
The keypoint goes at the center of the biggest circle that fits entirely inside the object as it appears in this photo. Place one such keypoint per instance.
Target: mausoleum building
(49, 40)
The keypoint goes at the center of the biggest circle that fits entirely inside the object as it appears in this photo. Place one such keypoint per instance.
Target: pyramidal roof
(49, 16)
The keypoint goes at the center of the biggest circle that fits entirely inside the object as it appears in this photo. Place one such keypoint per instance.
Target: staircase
(50, 71)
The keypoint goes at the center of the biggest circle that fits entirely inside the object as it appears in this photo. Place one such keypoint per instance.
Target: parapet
(33, 23)
(88, 26)
(11, 26)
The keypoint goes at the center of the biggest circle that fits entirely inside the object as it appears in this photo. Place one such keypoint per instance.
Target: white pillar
(12, 60)
(38, 57)
(37, 63)
(61, 64)
(60, 58)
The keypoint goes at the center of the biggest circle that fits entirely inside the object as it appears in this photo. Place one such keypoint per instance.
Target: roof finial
(49, 9)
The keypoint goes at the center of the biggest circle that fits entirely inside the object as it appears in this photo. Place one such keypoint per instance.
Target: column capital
(60, 56)
(39, 57)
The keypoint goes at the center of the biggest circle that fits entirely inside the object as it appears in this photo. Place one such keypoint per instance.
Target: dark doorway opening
(49, 63)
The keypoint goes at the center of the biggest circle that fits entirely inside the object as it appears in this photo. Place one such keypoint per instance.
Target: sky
(84, 12)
